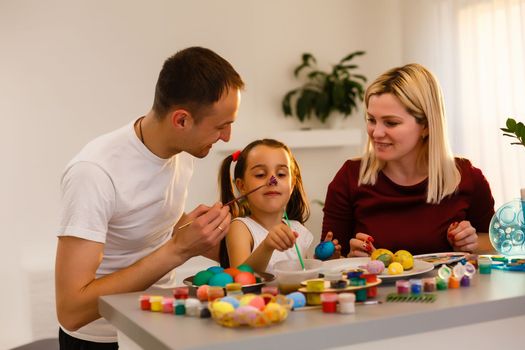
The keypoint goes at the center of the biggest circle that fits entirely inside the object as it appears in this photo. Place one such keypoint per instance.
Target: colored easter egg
(215, 269)
(246, 298)
(385, 255)
(395, 268)
(245, 267)
(232, 271)
(245, 314)
(324, 250)
(375, 267)
(245, 278)
(404, 258)
(234, 301)
(202, 292)
(220, 279)
(220, 308)
(202, 277)
(275, 312)
(299, 300)
(257, 302)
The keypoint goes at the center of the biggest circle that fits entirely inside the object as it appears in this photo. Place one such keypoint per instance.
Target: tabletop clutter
(238, 296)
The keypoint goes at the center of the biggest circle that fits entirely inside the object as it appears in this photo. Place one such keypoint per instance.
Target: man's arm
(78, 289)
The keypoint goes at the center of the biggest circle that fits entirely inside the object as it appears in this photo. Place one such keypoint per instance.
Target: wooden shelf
(299, 139)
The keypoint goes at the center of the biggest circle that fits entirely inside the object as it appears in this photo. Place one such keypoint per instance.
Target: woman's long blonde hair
(419, 91)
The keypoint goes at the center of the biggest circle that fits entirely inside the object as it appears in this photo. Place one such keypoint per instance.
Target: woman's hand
(337, 252)
(361, 245)
(462, 237)
(280, 237)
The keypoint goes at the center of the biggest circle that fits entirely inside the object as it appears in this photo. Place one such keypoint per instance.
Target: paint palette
(348, 287)
(347, 264)
(438, 259)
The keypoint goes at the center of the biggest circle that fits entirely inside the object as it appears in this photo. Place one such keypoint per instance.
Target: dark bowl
(248, 288)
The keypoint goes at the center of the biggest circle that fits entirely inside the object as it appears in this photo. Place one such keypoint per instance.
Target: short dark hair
(194, 78)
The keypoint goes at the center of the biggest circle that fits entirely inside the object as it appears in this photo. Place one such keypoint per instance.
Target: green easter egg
(245, 267)
(202, 277)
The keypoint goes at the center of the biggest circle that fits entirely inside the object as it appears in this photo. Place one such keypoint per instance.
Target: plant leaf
(286, 104)
(352, 55)
(511, 124)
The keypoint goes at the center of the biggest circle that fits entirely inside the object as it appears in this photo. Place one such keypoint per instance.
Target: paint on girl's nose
(273, 181)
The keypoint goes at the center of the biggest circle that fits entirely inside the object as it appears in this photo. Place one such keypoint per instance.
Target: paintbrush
(296, 246)
(235, 200)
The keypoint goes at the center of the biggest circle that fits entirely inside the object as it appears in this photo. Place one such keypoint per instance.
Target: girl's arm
(240, 243)
(280, 237)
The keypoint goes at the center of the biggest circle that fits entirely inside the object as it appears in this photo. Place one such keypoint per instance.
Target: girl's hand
(337, 253)
(462, 237)
(280, 237)
(361, 245)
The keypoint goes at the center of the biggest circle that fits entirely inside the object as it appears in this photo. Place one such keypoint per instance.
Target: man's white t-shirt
(116, 192)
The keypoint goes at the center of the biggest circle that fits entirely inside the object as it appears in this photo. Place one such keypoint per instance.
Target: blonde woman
(408, 191)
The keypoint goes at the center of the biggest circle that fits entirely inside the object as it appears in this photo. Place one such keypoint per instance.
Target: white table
(500, 295)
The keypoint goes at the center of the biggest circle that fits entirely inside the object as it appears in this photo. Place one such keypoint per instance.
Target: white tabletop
(490, 297)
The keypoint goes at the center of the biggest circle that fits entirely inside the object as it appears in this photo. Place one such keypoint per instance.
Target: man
(123, 196)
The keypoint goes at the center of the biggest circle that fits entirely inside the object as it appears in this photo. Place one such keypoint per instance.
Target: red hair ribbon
(235, 155)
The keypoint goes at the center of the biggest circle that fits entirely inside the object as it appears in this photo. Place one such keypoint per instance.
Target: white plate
(441, 258)
(420, 267)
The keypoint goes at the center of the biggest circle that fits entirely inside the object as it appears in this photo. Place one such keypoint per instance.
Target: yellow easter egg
(384, 255)
(404, 258)
(395, 268)
(220, 308)
(275, 312)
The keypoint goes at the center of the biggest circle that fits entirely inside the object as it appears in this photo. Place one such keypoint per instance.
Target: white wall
(71, 70)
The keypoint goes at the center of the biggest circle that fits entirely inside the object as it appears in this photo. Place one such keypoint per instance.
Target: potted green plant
(516, 130)
(325, 92)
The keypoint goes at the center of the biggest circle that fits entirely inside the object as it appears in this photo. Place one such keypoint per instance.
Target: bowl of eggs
(250, 310)
(216, 276)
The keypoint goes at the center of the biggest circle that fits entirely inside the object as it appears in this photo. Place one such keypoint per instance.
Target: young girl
(258, 235)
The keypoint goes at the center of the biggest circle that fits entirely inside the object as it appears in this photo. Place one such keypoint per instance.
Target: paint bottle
(167, 305)
(403, 287)
(415, 286)
(156, 303)
(453, 282)
(144, 302)
(458, 271)
(215, 293)
(181, 293)
(441, 284)
(329, 302)
(193, 306)
(346, 303)
(465, 281)
(313, 299)
(233, 289)
(429, 284)
(332, 277)
(371, 292)
(444, 272)
(470, 269)
(360, 294)
(315, 286)
(485, 265)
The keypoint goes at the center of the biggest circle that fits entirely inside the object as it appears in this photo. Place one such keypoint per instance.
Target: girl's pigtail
(225, 180)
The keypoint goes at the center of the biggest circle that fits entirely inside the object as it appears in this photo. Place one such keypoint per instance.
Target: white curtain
(491, 88)
(477, 50)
